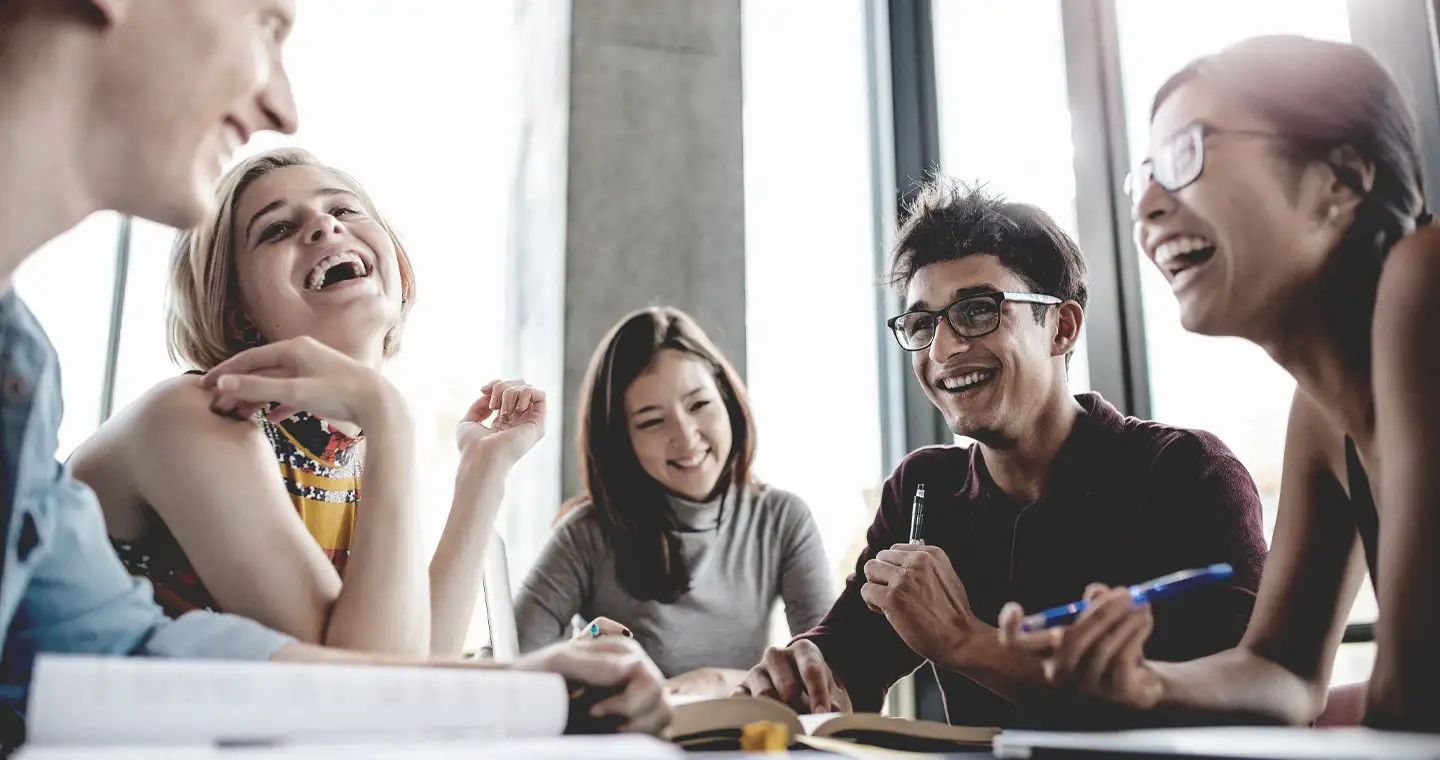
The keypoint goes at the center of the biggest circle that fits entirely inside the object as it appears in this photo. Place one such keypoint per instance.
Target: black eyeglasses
(1179, 160)
(969, 317)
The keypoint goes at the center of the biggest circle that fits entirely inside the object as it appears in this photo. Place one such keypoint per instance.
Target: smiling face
(182, 85)
(1249, 238)
(313, 259)
(679, 425)
(990, 388)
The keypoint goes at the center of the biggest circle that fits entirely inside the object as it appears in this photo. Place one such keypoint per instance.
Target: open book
(94, 702)
(704, 724)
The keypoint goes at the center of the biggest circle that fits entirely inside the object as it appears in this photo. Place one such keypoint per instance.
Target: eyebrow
(962, 293)
(324, 192)
(656, 407)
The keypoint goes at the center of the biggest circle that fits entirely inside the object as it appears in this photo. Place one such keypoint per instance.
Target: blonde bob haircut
(201, 319)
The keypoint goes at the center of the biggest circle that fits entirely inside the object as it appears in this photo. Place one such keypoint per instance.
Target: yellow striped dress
(321, 468)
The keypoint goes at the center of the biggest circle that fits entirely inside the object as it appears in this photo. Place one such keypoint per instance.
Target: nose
(1154, 202)
(685, 433)
(323, 227)
(947, 342)
(277, 102)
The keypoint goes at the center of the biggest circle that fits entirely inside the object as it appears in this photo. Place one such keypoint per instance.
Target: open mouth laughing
(1182, 258)
(336, 269)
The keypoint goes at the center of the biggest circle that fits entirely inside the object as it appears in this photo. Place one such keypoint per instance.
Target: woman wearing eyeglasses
(675, 543)
(1283, 201)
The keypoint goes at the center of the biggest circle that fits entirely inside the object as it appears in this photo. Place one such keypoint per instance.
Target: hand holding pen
(1102, 652)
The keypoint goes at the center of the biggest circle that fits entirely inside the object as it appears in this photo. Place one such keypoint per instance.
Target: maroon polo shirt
(1127, 500)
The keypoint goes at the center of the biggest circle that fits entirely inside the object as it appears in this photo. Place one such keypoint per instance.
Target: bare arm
(1281, 669)
(218, 491)
(457, 569)
(1405, 684)
(516, 413)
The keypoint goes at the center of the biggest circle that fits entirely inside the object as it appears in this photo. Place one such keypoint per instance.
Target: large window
(811, 278)
(1189, 373)
(1004, 110)
(68, 286)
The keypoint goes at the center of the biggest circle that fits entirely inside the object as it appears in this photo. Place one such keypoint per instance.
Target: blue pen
(1149, 591)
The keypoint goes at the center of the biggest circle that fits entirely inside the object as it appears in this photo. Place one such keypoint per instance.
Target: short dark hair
(950, 220)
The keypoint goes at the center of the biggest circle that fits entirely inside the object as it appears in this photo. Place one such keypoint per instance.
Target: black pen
(917, 515)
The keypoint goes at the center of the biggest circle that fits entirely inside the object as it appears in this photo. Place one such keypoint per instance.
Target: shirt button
(14, 387)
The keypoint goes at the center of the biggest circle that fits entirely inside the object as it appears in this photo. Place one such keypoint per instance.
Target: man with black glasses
(1057, 490)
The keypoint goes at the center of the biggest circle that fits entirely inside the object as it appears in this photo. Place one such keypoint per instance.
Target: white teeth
(966, 380)
(692, 460)
(316, 279)
(1175, 247)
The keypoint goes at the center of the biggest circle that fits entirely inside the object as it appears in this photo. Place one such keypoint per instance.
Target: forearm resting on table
(383, 605)
(1010, 674)
(311, 653)
(457, 569)
(1238, 682)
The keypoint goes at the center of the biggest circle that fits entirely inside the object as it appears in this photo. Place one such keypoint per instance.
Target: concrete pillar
(628, 192)
(656, 192)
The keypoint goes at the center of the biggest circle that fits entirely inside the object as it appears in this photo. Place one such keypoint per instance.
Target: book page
(814, 721)
(77, 700)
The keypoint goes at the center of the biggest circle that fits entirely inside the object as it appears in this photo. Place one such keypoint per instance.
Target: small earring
(250, 336)
(1332, 213)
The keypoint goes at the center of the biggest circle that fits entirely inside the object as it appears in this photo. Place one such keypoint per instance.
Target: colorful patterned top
(321, 468)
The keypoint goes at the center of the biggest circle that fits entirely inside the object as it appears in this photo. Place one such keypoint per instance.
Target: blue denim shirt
(62, 589)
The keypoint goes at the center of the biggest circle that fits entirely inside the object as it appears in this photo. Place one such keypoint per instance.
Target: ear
(111, 11)
(1069, 319)
(1351, 179)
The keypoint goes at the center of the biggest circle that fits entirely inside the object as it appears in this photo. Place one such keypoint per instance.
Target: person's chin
(1203, 318)
(180, 210)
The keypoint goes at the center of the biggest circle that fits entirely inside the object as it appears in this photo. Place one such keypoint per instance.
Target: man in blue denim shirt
(135, 107)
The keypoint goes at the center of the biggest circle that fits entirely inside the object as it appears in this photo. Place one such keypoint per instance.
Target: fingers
(598, 662)
(282, 412)
(1097, 623)
(480, 410)
(641, 703)
(257, 389)
(505, 399)
(1093, 591)
(1097, 672)
(882, 572)
(603, 626)
(815, 676)
(779, 664)
(1041, 642)
(875, 596)
(757, 683)
(282, 355)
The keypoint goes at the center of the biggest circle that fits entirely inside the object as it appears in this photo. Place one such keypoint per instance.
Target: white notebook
(116, 701)
(627, 747)
(1229, 742)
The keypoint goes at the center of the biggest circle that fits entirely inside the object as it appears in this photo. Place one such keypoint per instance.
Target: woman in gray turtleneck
(675, 541)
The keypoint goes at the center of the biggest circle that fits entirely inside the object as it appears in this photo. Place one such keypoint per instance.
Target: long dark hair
(1320, 96)
(634, 512)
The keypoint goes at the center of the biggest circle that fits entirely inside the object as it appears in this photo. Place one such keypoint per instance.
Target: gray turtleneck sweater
(744, 553)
